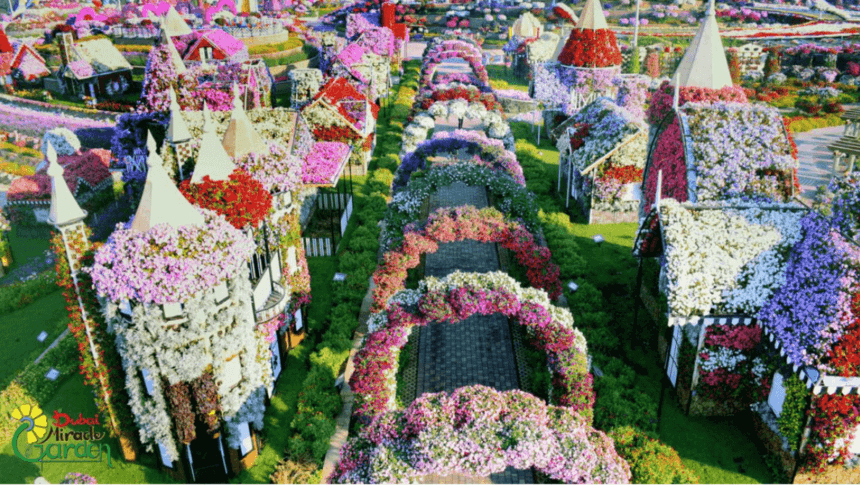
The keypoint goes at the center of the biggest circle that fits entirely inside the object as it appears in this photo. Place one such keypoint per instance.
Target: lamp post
(636, 28)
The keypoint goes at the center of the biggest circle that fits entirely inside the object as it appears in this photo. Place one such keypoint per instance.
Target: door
(207, 459)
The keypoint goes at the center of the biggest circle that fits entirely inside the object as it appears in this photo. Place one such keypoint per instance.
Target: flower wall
(557, 85)
(608, 126)
(591, 48)
(729, 369)
(471, 431)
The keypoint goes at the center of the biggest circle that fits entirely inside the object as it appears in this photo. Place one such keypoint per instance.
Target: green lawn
(500, 78)
(19, 347)
(25, 248)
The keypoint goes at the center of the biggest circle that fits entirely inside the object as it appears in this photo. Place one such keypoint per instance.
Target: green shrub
(619, 403)
(328, 358)
(793, 417)
(650, 460)
(587, 298)
(19, 295)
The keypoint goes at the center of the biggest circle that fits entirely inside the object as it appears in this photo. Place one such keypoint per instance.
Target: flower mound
(241, 199)
(591, 48)
(486, 225)
(478, 431)
(167, 264)
(453, 299)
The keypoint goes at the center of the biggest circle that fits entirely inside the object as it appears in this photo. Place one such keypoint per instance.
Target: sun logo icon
(38, 421)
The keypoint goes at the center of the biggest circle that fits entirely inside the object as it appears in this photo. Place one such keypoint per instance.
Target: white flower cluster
(377, 321)
(722, 358)
(406, 298)
(727, 260)
(64, 141)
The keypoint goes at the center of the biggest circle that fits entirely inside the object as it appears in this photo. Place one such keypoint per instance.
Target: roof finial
(677, 96)
(237, 101)
(207, 118)
(711, 11)
(151, 147)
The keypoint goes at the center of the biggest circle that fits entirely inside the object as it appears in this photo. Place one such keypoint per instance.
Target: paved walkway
(479, 350)
(816, 161)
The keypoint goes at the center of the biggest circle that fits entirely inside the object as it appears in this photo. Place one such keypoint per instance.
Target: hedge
(650, 460)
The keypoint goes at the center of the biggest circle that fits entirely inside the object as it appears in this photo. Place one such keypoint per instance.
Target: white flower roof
(728, 258)
(101, 54)
(610, 126)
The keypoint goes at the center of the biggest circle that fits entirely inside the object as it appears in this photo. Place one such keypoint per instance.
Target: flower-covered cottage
(602, 154)
(20, 63)
(340, 113)
(93, 67)
(216, 45)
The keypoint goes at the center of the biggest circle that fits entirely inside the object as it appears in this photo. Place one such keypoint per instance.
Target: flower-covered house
(719, 263)
(601, 157)
(216, 45)
(341, 113)
(20, 64)
(92, 68)
(366, 62)
(196, 365)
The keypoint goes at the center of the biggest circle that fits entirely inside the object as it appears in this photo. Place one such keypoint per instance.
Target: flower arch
(449, 50)
(468, 432)
(491, 153)
(405, 207)
(458, 224)
(455, 298)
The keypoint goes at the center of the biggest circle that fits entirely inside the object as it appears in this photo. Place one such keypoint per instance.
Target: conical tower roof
(527, 25)
(704, 64)
(241, 138)
(64, 207)
(592, 17)
(212, 159)
(173, 23)
(161, 202)
(175, 58)
(177, 130)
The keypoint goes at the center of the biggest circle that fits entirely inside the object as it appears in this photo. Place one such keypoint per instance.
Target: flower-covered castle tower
(178, 299)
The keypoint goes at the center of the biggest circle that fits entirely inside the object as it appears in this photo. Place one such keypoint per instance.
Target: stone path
(479, 350)
(816, 161)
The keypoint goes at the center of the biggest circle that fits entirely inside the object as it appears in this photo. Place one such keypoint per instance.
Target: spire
(704, 64)
(177, 130)
(173, 23)
(64, 208)
(241, 138)
(212, 159)
(162, 202)
(175, 58)
(592, 17)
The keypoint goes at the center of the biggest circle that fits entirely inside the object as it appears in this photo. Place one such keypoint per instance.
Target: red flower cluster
(471, 95)
(338, 89)
(662, 99)
(844, 356)
(833, 417)
(591, 48)
(241, 199)
(335, 133)
(578, 138)
(624, 174)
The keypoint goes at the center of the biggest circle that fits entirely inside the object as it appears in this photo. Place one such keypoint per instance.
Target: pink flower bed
(321, 165)
(459, 224)
(470, 432)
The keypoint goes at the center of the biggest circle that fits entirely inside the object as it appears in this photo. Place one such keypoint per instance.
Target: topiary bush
(650, 460)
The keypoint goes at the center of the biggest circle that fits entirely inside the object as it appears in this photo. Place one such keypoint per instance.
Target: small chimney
(65, 42)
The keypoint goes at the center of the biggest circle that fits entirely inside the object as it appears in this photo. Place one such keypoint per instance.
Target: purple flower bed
(277, 170)
(479, 431)
(809, 313)
(491, 152)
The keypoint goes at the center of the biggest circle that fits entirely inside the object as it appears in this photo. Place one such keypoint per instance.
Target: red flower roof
(337, 89)
(591, 48)
(5, 46)
(89, 167)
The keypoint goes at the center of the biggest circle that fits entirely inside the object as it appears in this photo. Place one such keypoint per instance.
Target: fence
(244, 32)
(327, 246)
(136, 32)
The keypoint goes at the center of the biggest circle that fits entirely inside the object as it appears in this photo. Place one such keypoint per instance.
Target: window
(276, 359)
(246, 443)
(299, 323)
(172, 310)
(777, 394)
(854, 445)
(674, 348)
(165, 458)
(125, 307)
(148, 382)
(231, 373)
(221, 292)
